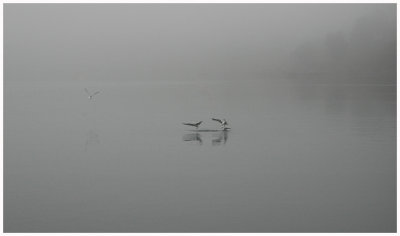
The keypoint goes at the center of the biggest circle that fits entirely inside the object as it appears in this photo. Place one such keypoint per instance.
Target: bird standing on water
(193, 124)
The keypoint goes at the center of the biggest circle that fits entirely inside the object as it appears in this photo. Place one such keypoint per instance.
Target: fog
(308, 92)
(143, 42)
(365, 53)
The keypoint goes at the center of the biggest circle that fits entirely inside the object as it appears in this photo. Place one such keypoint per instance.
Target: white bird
(193, 124)
(91, 95)
(223, 122)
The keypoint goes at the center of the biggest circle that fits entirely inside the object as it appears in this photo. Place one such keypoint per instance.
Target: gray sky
(112, 42)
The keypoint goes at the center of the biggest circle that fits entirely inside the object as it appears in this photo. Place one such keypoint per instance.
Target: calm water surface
(299, 158)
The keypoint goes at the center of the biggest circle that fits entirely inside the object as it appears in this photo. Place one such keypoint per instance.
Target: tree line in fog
(366, 54)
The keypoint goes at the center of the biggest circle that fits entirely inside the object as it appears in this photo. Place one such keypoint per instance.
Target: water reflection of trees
(367, 110)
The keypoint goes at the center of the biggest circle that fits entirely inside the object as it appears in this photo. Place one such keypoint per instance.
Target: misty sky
(120, 42)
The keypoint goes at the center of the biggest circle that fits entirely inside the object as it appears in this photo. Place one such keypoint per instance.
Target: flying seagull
(223, 122)
(91, 95)
(193, 124)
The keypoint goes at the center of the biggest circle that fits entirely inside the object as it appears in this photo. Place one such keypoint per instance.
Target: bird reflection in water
(221, 138)
(193, 137)
(92, 138)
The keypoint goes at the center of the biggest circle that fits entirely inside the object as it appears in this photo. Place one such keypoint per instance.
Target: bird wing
(218, 120)
(187, 124)
(97, 92)
(87, 91)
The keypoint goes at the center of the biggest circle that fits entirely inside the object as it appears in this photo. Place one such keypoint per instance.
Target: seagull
(223, 122)
(91, 95)
(193, 124)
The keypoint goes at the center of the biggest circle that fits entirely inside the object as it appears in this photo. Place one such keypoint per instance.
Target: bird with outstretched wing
(193, 124)
(223, 122)
(91, 95)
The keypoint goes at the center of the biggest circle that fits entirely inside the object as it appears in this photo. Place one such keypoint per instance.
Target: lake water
(298, 158)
